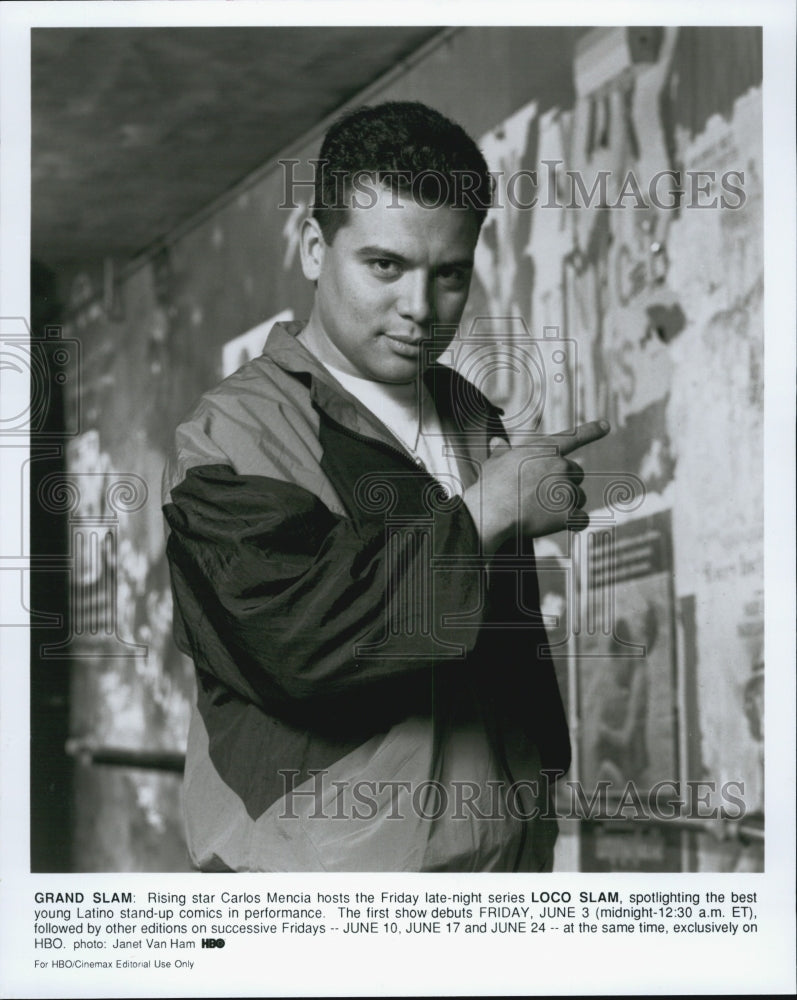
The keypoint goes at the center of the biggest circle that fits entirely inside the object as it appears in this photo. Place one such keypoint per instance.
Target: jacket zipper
(497, 737)
(415, 462)
(493, 733)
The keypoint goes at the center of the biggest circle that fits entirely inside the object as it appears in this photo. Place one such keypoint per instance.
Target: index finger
(583, 434)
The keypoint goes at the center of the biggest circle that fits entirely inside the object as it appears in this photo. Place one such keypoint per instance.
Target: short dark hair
(406, 146)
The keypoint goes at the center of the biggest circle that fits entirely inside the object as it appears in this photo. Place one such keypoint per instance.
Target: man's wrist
(492, 532)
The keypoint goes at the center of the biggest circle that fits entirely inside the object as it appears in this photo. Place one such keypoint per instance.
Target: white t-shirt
(408, 411)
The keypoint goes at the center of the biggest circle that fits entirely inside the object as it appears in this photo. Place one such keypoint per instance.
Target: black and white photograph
(397, 448)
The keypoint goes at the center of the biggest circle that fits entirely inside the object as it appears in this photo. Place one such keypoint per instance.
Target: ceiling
(134, 130)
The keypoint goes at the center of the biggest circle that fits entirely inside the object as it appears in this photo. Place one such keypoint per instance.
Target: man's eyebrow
(383, 253)
(465, 262)
(376, 251)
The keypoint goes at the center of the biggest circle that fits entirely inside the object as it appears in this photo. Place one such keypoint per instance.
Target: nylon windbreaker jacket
(369, 696)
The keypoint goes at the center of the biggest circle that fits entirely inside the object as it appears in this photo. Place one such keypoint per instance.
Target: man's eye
(384, 267)
(452, 277)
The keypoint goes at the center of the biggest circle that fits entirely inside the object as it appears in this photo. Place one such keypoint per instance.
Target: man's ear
(312, 247)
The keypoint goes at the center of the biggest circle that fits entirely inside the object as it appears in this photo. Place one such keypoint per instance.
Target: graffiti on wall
(644, 251)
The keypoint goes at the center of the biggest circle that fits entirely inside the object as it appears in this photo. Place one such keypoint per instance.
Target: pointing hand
(510, 494)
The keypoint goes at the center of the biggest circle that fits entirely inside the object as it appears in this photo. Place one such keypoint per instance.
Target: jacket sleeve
(286, 602)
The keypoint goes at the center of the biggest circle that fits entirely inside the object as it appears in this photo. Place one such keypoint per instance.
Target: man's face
(392, 272)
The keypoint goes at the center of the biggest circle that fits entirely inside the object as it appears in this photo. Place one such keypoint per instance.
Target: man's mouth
(406, 346)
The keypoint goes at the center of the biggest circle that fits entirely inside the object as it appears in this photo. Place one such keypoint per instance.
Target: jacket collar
(465, 412)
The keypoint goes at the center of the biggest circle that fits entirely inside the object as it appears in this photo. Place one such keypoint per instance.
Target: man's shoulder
(260, 378)
(269, 378)
(250, 414)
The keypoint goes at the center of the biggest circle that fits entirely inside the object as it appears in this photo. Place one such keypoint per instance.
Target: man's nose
(415, 302)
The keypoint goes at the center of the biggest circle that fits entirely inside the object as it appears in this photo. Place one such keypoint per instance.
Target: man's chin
(397, 378)
(397, 366)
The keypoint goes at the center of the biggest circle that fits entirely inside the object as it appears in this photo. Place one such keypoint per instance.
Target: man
(370, 694)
